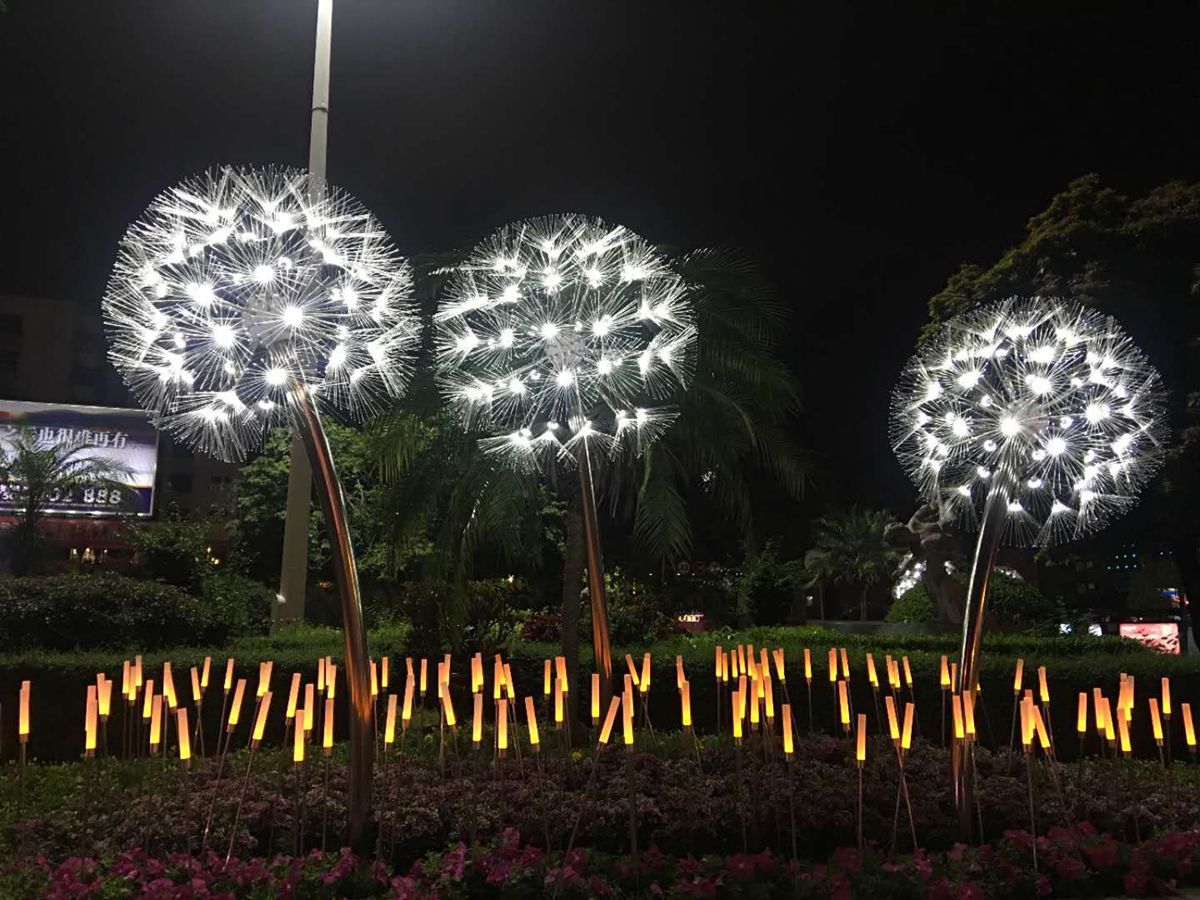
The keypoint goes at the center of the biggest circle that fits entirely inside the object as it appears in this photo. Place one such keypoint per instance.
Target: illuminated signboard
(1160, 636)
(124, 436)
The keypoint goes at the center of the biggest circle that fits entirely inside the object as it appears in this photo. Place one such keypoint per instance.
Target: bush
(175, 551)
(102, 610)
(1011, 602)
(240, 605)
(914, 605)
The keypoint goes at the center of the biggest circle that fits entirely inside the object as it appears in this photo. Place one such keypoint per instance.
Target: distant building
(54, 351)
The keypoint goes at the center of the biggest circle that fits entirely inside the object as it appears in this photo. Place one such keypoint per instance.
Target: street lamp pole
(294, 570)
(309, 446)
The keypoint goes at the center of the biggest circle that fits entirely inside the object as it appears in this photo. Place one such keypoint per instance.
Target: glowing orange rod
(788, 744)
(327, 742)
(260, 720)
(477, 721)
(531, 720)
(605, 732)
(389, 722)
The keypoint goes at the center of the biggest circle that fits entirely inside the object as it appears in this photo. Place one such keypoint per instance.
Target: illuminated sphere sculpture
(562, 330)
(1043, 397)
(238, 284)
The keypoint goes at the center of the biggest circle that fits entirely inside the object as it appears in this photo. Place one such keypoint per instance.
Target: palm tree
(850, 549)
(34, 476)
(729, 439)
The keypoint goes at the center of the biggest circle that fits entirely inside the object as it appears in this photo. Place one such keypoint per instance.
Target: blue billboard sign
(125, 437)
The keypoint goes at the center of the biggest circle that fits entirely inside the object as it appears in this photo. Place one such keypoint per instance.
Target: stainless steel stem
(595, 575)
(995, 509)
(345, 575)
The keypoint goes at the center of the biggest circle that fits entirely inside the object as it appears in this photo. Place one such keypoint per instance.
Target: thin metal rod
(994, 511)
(345, 576)
(595, 575)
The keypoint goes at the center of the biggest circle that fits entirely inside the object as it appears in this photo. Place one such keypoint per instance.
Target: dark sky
(860, 152)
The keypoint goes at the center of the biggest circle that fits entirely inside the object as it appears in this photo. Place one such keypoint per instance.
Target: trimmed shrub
(103, 610)
(1011, 602)
(239, 605)
(914, 605)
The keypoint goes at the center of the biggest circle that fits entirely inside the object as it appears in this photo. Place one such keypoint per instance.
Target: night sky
(860, 153)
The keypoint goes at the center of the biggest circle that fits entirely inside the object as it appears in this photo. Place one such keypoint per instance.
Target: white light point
(548, 331)
(507, 335)
(565, 378)
(264, 274)
(293, 316)
(276, 377)
(337, 356)
(223, 336)
(1056, 446)
(1010, 426)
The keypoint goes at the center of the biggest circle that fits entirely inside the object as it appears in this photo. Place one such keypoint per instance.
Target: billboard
(124, 436)
(1160, 636)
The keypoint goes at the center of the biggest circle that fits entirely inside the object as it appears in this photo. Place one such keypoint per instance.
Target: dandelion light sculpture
(560, 338)
(1035, 421)
(245, 299)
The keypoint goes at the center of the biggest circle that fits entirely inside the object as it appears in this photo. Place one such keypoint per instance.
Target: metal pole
(345, 575)
(595, 574)
(294, 569)
(995, 509)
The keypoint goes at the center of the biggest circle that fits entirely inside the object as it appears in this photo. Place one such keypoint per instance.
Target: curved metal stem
(345, 576)
(595, 574)
(994, 510)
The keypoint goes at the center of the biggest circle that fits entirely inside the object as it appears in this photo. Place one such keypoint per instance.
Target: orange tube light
(1166, 696)
(389, 722)
(968, 703)
(148, 700)
(908, 681)
(531, 722)
(644, 684)
(872, 675)
(845, 664)
(1189, 730)
(293, 697)
(906, 738)
(860, 750)
(737, 716)
(609, 718)
(833, 665)
(235, 710)
(384, 674)
(228, 673)
(331, 671)
(807, 665)
(260, 720)
(264, 677)
(184, 735)
(1123, 730)
(685, 700)
(156, 724)
(1156, 721)
(780, 669)
(956, 713)
(893, 725)
(406, 711)
(298, 743)
(424, 685)
(502, 725)
(23, 713)
(546, 679)
(1081, 716)
(1043, 688)
(447, 706)
(310, 706)
(90, 727)
(204, 672)
(788, 743)
(1018, 674)
(477, 721)
(197, 693)
(844, 705)
(327, 727)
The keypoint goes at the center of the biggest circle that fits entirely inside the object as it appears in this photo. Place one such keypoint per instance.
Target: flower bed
(1076, 863)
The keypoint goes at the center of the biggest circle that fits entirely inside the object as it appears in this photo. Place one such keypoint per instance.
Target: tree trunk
(863, 603)
(572, 600)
